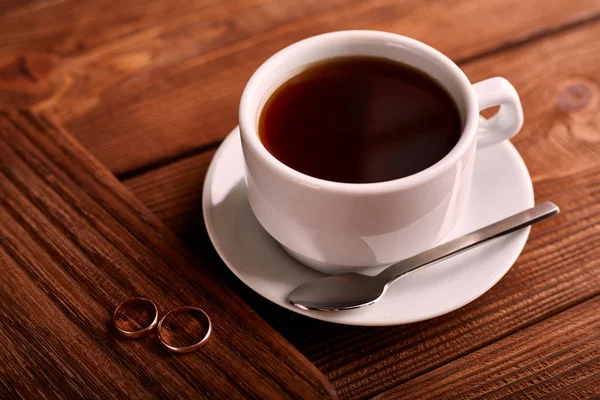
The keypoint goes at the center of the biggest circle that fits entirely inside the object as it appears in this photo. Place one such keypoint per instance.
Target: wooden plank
(558, 356)
(143, 83)
(74, 243)
(56, 50)
(558, 79)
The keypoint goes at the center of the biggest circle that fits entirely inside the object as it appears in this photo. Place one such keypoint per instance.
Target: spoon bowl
(333, 292)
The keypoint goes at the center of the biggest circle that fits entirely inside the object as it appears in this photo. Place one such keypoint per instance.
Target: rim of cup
(249, 114)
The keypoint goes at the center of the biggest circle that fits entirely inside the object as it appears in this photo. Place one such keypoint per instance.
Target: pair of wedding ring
(134, 302)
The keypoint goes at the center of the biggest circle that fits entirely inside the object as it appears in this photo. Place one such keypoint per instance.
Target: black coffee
(360, 120)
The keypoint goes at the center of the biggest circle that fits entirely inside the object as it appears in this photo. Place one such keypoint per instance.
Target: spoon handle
(470, 240)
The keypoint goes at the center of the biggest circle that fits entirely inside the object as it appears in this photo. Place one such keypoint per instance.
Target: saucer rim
(521, 238)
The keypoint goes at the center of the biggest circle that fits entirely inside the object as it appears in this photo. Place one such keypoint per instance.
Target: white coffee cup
(339, 227)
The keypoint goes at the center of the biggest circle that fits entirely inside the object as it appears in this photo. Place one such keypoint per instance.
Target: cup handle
(509, 119)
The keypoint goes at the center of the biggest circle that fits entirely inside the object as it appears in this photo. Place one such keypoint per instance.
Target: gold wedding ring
(202, 318)
(132, 303)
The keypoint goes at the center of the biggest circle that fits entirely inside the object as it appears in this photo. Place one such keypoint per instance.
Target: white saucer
(501, 187)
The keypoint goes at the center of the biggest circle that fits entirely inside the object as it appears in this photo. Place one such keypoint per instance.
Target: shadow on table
(301, 331)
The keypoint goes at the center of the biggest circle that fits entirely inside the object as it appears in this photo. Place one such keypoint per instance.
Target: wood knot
(27, 80)
(26, 69)
(574, 97)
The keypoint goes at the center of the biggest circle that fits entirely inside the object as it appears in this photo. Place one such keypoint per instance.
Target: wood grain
(174, 194)
(559, 268)
(145, 84)
(558, 79)
(559, 356)
(75, 243)
(141, 83)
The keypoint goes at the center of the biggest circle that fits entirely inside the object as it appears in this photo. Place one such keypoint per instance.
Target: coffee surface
(359, 120)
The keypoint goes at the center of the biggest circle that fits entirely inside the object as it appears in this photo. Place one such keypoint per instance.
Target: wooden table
(151, 87)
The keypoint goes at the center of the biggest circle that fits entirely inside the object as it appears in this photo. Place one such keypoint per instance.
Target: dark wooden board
(558, 79)
(559, 356)
(74, 244)
(143, 82)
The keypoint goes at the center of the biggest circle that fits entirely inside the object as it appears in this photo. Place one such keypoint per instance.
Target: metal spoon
(348, 291)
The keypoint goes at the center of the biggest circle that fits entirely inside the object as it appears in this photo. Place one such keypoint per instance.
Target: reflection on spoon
(348, 291)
